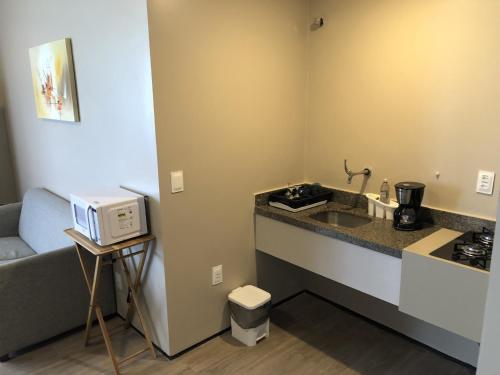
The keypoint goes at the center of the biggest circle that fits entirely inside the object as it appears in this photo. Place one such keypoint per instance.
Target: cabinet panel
(363, 269)
(447, 295)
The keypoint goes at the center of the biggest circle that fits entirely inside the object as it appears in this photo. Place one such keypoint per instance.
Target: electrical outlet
(217, 274)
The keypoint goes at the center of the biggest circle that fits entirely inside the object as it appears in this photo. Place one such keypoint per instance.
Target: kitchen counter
(379, 235)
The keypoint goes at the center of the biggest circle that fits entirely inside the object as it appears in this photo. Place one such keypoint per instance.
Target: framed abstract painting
(54, 84)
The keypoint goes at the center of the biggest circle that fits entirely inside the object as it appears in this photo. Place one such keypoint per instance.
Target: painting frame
(54, 83)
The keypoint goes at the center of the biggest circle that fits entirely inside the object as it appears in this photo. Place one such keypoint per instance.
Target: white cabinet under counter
(366, 270)
(444, 293)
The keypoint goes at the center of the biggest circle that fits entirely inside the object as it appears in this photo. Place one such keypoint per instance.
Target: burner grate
(476, 252)
(471, 249)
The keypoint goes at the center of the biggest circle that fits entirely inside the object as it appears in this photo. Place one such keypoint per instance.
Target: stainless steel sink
(340, 219)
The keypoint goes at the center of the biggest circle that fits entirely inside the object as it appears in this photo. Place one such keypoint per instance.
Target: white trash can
(249, 307)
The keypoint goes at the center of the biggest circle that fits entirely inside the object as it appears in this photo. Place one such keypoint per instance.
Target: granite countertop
(379, 235)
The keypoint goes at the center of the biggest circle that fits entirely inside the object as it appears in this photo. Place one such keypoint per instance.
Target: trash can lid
(249, 297)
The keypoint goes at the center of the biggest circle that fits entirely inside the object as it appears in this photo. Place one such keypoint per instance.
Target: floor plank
(308, 336)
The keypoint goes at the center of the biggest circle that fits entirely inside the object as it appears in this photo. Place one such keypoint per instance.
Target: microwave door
(81, 219)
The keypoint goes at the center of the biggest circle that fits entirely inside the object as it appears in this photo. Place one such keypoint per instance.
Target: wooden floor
(308, 336)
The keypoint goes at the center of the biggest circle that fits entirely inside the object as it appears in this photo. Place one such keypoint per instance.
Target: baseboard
(286, 299)
(158, 349)
(182, 352)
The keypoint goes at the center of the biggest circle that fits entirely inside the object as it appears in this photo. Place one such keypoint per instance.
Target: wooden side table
(116, 251)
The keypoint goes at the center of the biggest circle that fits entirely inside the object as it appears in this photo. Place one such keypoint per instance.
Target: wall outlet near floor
(217, 274)
(485, 182)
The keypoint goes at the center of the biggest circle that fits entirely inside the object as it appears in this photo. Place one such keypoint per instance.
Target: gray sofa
(42, 289)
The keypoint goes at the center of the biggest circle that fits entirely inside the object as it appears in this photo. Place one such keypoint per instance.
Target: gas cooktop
(472, 249)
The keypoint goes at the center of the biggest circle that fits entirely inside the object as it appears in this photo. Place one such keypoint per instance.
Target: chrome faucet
(350, 174)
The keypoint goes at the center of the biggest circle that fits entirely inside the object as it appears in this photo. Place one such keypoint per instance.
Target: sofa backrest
(44, 216)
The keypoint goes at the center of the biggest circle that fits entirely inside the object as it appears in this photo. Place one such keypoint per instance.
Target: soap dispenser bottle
(384, 192)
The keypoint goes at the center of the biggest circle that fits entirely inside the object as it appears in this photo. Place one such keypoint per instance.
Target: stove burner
(485, 239)
(476, 252)
(470, 250)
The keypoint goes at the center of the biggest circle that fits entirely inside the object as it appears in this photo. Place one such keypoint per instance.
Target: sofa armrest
(45, 295)
(9, 219)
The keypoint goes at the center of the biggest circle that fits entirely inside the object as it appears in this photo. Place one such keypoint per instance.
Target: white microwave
(109, 216)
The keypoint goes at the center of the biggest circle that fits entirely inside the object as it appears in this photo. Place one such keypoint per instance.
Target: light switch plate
(217, 274)
(485, 182)
(177, 181)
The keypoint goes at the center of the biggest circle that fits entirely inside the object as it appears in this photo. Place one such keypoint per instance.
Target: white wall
(114, 144)
(489, 361)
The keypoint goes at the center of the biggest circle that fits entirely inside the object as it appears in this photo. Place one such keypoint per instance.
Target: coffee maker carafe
(409, 196)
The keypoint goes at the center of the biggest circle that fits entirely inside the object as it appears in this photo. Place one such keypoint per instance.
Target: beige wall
(409, 88)
(229, 91)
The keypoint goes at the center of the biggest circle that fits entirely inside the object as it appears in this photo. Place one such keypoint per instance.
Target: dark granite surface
(379, 235)
(450, 220)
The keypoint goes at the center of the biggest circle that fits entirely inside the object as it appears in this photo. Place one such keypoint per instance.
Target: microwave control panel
(124, 220)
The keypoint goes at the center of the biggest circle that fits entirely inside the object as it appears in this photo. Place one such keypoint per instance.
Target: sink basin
(340, 219)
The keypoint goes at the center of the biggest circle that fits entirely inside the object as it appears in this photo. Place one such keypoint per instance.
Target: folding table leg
(135, 300)
(92, 283)
(93, 297)
(137, 282)
(107, 340)
(84, 268)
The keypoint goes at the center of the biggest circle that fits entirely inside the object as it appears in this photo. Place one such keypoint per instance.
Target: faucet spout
(350, 174)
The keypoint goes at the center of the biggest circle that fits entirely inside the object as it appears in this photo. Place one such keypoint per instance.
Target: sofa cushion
(14, 248)
(9, 219)
(44, 216)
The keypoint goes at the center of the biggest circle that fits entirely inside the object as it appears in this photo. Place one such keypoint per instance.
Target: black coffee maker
(409, 196)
